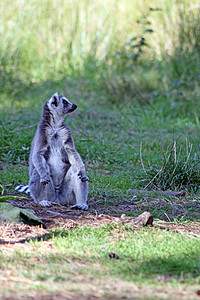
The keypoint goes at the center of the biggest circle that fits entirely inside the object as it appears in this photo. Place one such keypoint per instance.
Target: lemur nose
(74, 106)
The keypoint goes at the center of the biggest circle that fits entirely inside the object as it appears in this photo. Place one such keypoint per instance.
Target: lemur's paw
(81, 206)
(45, 203)
(82, 176)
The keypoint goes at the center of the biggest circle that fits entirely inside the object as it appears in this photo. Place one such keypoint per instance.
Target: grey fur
(56, 171)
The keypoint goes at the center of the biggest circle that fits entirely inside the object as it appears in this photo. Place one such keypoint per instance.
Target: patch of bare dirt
(62, 216)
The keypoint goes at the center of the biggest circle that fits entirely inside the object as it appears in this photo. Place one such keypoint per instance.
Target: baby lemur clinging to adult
(56, 171)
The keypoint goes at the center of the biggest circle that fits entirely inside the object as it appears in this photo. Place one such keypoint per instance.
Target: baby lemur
(56, 171)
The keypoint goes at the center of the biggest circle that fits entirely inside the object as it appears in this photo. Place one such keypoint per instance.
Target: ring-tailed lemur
(56, 171)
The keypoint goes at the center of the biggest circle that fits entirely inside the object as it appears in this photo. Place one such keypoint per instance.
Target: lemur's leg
(43, 194)
(74, 189)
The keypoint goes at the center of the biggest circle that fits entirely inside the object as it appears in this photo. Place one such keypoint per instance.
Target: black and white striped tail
(22, 189)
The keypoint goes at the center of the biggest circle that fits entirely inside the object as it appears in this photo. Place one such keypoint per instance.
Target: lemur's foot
(45, 203)
(81, 206)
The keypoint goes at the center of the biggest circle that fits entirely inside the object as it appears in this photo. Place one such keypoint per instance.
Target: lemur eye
(65, 102)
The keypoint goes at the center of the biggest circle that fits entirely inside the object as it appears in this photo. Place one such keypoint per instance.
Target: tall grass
(180, 28)
(49, 36)
(179, 168)
(40, 39)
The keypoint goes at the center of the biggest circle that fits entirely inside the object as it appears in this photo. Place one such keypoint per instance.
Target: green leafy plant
(135, 47)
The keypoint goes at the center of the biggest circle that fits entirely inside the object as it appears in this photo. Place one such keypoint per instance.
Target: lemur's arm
(74, 157)
(39, 147)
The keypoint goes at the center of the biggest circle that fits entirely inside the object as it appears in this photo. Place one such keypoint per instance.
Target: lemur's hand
(82, 176)
(45, 179)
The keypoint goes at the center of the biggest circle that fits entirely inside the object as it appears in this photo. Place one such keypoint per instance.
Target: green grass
(133, 71)
(146, 256)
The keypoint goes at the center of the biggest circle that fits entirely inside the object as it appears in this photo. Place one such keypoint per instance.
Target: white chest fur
(57, 160)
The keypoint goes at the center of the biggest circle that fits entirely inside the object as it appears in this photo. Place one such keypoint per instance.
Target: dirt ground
(97, 215)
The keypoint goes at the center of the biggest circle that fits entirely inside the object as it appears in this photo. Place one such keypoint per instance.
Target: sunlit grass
(143, 256)
(45, 38)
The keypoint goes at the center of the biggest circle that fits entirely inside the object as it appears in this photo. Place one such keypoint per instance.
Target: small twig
(53, 212)
(173, 193)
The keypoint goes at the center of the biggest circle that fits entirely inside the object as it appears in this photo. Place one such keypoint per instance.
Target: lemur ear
(55, 98)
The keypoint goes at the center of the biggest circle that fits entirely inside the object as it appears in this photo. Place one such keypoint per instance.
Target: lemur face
(61, 105)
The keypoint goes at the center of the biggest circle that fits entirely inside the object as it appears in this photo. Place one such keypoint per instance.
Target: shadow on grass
(41, 238)
(177, 267)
